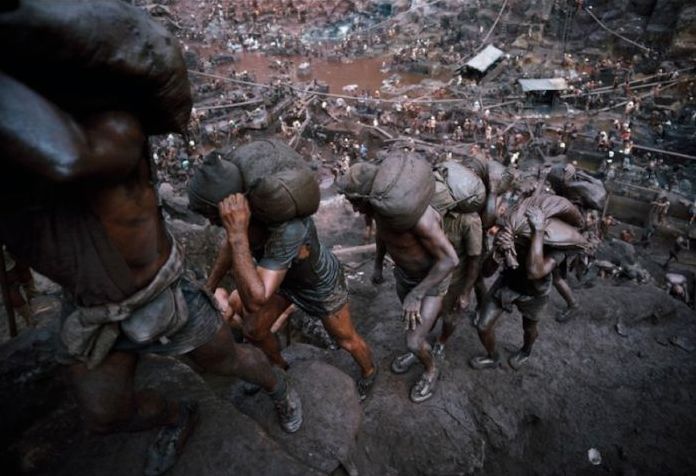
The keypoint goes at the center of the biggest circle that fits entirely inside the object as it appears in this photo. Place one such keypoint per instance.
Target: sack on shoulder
(402, 190)
(280, 184)
(458, 189)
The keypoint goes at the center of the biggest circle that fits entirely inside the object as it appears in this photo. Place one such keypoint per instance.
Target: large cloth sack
(259, 158)
(285, 195)
(96, 55)
(457, 189)
(582, 189)
(357, 182)
(213, 181)
(402, 190)
(563, 219)
(280, 185)
(494, 175)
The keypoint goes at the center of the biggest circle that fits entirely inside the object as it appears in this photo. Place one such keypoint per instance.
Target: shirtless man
(681, 243)
(85, 214)
(524, 281)
(279, 265)
(424, 259)
(677, 286)
(658, 210)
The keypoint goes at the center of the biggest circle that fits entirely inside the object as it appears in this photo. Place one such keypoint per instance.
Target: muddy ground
(619, 377)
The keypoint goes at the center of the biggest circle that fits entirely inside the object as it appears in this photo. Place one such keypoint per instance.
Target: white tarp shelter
(546, 84)
(485, 59)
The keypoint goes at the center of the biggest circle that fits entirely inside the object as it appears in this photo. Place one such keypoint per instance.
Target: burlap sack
(562, 226)
(280, 185)
(284, 195)
(402, 189)
(96, 55)
(259, 158)
(457, 189)
(582, 189)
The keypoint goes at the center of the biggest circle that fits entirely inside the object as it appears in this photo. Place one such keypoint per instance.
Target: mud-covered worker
(677, 286)
(465, 232)
(274, 266)
(679, 245)
(659, 209)
(524, 281)
(605, 224)
(424, 260)
(85, 214)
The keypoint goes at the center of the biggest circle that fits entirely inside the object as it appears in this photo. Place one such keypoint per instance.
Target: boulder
(224, 442)
(41, 431)
(332, 414)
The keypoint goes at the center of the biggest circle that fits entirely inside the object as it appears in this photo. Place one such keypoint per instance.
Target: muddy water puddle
(365, 73)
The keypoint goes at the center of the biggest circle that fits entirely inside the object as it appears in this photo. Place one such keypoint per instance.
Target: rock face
(332, 415)
(30, 387)
(619, 377)
(610, 379)
(220, 444)
(41, 432)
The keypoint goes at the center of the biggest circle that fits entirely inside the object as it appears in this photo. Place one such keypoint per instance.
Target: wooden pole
(4, 282)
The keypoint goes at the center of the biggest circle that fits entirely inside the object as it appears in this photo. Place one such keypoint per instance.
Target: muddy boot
(365, 385)
(566, 314)
(287, 403)
(402, 363)
(425, 387)
(481, 362)
(438, 351)
(170, 441)
(518, 359)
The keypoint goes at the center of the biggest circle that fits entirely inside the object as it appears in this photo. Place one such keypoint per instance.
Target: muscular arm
(537, 265)
(255, 285)
(222, 265)
(39, 137)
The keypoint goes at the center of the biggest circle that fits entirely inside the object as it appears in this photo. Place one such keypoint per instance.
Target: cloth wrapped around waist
(153, 313)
